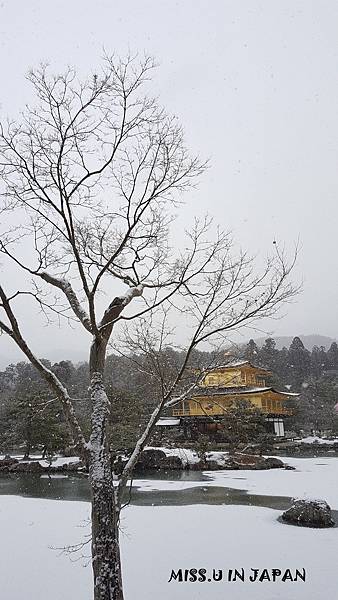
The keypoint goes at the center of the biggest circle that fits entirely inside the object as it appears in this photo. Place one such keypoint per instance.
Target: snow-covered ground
(56, 461)
(314, 439)
(222, 538)
(156, 540)
(30, 568)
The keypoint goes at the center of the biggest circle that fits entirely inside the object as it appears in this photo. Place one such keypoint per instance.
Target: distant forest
(32, 419)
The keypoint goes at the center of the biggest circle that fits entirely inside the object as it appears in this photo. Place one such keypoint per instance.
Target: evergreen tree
(316, 406)
(31, 418)
(323, 359)
(332, 356)
(316, 362)
(65, 371)
(251, 352)
(8, 378)
(269, 354)
(243, 424)
(282, 365)
(33, 421)
(298, 364)
(128, 414)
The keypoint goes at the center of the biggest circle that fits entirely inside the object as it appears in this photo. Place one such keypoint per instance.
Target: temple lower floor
(192, 426)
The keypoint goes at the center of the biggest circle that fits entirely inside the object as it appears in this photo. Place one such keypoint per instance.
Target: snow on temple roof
(167, 422)
(239, 363)
(238, 390)
(214, 391)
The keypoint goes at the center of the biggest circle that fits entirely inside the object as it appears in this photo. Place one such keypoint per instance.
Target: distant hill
(308, 340)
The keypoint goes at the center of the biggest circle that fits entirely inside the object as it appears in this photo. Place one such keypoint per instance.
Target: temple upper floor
(240, 373)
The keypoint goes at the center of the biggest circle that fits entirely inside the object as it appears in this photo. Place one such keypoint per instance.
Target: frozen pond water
(176, 489)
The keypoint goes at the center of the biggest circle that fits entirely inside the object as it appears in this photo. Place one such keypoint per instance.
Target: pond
(74, 487)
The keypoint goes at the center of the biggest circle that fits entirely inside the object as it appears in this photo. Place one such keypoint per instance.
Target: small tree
(94, 172)
(31, 417)
(127, 413)
(243, 424)
(202, 446)
(32, 421)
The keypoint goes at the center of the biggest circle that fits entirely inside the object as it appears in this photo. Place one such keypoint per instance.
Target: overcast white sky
(255, 84)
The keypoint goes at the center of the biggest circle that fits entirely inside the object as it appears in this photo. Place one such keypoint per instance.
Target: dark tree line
(32, 419)
(314, 375)
(296, 364)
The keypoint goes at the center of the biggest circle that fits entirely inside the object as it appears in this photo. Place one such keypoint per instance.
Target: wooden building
(226, 384)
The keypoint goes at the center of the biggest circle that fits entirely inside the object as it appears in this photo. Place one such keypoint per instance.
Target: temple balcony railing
(186, 412)
(181, 412)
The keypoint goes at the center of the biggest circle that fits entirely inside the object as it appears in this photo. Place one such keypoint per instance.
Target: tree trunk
(27, 450)
(105, 512)
(105, 534)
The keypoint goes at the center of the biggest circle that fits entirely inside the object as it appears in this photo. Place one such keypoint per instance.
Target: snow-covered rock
(187, 456)
(308, 512)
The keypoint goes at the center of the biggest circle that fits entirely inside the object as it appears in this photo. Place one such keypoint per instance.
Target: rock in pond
(253, 461)
(157, 459)
(26, 467)
(273, 463)
(7, 462)
(309, 513)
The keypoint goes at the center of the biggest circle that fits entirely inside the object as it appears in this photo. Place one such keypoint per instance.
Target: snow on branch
(67, 289)
(116, 307)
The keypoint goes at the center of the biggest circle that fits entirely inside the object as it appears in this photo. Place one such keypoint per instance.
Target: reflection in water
(74, 487)
(52, 487)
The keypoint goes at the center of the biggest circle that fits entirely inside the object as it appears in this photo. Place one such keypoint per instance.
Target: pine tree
(282, 365)
(299, 363)
(332, 356)
(316, 405)
(33, 421)
(251, 352)
(243, 424)
(316, 368)
(269, 354)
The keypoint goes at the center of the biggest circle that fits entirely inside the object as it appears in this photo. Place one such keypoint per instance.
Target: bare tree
(93, 173)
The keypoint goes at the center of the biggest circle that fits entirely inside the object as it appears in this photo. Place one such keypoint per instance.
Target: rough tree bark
(105, 512)
(106, 559)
